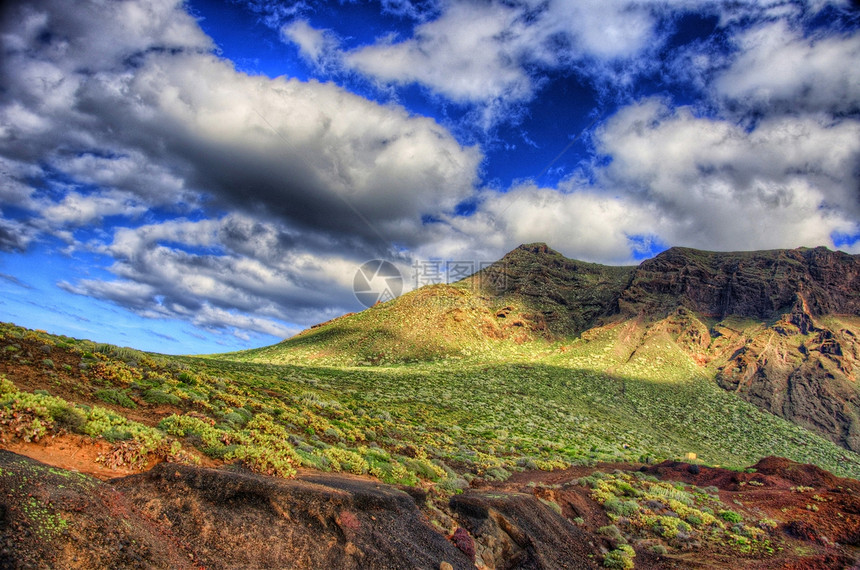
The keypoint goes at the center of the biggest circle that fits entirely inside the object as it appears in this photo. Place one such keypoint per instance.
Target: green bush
(731, 516)
(345, 460)
(621, 558)
(69, 417)
(156, 396)
(115, 396)
(659, 549)
(621, 508)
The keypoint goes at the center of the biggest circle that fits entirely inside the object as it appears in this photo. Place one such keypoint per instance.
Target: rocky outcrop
(177, 516)
(760, 284)
(800, 368)
(565, 297)
(515, 530)
(237, 519)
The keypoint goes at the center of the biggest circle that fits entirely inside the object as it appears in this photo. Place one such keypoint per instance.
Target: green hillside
(434, 421)
(450, 382)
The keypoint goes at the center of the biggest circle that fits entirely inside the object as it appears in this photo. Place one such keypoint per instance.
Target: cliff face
(779, 328)
(783, 327)
(573, 295)
(802, 368)
(758, 285)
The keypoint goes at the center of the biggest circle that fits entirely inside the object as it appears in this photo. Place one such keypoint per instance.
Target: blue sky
(208, 176)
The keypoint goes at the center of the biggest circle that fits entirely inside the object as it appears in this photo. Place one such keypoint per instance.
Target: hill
(535, 414)
(778, 328)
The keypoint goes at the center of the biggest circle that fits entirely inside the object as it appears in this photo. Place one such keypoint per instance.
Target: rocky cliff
(760, 284)
(780, 328)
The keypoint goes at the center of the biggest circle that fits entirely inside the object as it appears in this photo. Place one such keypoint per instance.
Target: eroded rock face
(515, 530)
(315, 521)
(759, 284)
(801, 369)
(178, 516)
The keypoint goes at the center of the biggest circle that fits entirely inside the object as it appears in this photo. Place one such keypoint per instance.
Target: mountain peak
(537, 247)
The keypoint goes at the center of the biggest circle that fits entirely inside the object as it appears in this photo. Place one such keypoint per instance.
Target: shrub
(156, 396)
(730, 516)
(497, 474)
(345, 460)
(423, 468)
(117, 397)
(552, 505)
(187, 378)
(612, 533)
(69, 417)
(659, 549)
(264, 460)
(621, 508)
(621, 557)
(235, 419)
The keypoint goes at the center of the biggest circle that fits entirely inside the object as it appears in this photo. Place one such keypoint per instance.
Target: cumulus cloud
(319, 47)
(585, 223)
(683, 179)
(789, 182)
(470, 53)
(234, 266)
(129, 107)
(777, 67)
(308, 152)
(496, 55)
(15, 236)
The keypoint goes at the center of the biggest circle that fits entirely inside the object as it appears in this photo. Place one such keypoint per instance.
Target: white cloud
(586, 224)
(76, 209)
(789, 182)
(683, 180)
(319, 47)
(15, 236)
(235, 265)
(778, 67)
(469, 54)
(487, 53)
(132, 172)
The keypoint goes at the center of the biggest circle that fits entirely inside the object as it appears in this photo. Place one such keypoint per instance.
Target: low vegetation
(443, 422)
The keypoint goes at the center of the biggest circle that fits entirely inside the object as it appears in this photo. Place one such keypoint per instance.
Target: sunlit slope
(597, 398)
(533, 294)
(779, 328)
(432, 323)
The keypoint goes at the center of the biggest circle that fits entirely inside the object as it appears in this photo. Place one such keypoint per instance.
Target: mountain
(544, 413)
(779, 328)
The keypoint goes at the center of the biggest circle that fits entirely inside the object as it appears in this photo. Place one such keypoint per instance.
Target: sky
(212, 175)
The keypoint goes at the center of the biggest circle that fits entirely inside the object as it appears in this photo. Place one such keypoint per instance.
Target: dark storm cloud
(126, 97)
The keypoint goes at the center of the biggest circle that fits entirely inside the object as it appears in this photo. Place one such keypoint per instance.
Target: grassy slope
(432, 323)
(634, 389)
(540, 407)
(625, 391)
